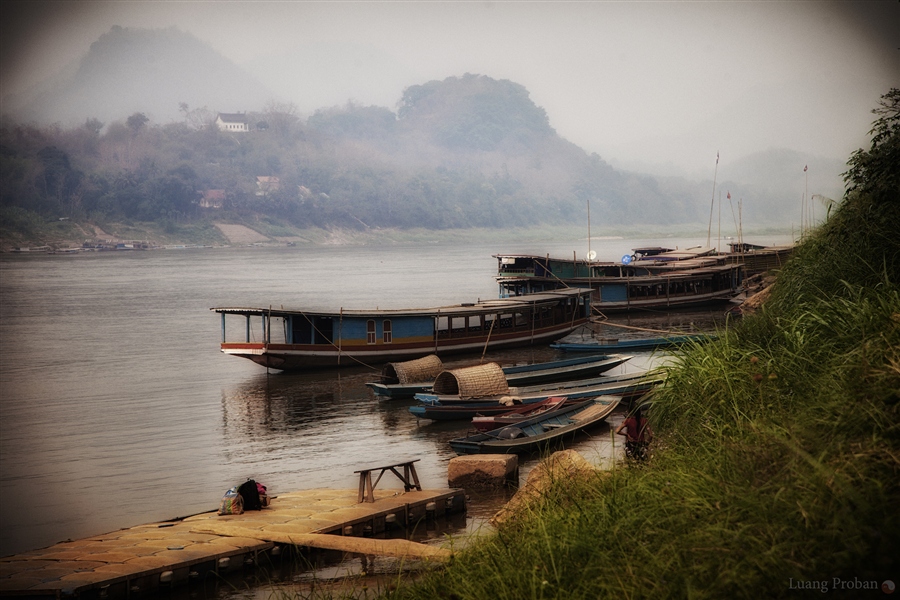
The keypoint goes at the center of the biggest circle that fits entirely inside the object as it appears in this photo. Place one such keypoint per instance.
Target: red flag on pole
(729, 195)
(804, 168)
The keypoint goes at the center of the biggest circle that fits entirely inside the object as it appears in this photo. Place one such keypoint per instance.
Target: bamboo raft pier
(159, 556)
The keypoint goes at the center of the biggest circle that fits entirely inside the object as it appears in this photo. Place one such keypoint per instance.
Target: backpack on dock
(250, 495)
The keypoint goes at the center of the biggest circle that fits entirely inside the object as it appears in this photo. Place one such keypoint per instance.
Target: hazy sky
(654, 82)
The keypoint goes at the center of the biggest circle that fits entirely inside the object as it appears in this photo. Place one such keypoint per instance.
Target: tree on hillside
(281, 117)
(93, 125)
(196, 118)
(877, 171)
(137, 121)
(59, 181)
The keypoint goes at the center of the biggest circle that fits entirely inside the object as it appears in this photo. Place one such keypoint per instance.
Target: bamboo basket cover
(412, 371)
(472, 382)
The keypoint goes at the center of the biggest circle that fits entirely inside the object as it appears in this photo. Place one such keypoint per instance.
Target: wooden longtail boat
(289, 339)
(517, 375)
(517, 414)
(603, 345)
(539, 432)
(451, 407)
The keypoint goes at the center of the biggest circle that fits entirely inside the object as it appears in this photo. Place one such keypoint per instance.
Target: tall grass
(777, 463)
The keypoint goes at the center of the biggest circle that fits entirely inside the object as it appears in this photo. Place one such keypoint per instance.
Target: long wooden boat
(651, 278)
(603, 345)
(517, 375)
(539, 432)
(448, 408)
(289, 339)
(519, 413)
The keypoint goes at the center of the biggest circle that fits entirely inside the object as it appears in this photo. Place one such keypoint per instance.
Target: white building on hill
(232, 122)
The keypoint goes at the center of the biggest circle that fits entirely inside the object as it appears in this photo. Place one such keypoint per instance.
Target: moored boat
(516, 375)
(610, 345)
(541, 431)
(758, 259)
(515, 415)
(451, 407)
(289, 339)
(651, 278)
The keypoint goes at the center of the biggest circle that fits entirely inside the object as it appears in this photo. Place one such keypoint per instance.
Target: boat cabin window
(475, 323)
(370, 332)
(506, 321)
(387, 334)
(458, 324)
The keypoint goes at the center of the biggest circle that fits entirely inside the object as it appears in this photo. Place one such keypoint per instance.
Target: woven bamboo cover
(472, 382)
(412, 371)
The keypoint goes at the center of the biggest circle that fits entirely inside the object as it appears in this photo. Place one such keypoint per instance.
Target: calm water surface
(118, 409)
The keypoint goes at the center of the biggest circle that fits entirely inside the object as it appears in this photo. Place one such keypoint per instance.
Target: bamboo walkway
(157, 556)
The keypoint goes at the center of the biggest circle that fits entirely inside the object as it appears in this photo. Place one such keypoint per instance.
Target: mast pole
(589, 225)
(712, 202)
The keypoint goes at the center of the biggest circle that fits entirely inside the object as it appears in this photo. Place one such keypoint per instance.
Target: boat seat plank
(590, 412)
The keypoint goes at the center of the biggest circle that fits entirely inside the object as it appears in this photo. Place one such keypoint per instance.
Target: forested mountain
(467, 151)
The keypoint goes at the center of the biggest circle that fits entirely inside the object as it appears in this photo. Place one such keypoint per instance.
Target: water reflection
(288, 402)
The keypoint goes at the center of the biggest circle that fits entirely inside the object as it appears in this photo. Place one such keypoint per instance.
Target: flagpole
(804, 217)
(589, 228)
(712, 202)
(812, 206)
(737, 231)
(719, 232)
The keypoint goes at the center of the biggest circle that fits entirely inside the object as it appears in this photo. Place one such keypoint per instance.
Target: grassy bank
(776, 463)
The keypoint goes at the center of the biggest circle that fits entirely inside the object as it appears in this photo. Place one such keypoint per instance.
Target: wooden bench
(367, 488)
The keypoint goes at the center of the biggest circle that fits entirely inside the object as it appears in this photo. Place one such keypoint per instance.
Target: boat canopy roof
(525, 301)
(679, 255)
(413, 371)
(645, 255)
(472, 382)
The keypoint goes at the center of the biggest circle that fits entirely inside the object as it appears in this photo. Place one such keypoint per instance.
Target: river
(118, 409)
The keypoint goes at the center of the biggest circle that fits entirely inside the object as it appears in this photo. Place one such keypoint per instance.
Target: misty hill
(515, 165)
(141, 70)
(467, 151)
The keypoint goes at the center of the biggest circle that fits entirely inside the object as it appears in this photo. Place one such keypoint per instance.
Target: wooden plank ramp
(379, 547)
(161, 555)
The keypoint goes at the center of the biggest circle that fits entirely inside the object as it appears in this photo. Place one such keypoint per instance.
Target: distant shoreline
(69, 236)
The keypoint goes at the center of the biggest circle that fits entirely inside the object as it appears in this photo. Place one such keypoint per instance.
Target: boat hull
(288, 357)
